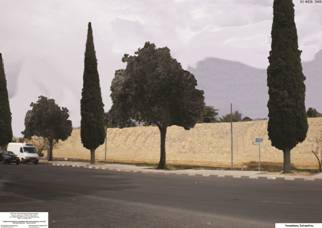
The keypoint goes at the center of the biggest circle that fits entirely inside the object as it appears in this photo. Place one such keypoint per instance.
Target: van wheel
(35, 162)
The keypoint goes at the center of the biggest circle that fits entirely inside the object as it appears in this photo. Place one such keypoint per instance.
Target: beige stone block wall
(204, 145)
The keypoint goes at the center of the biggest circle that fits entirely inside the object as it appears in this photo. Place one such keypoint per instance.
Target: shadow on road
(30, 183)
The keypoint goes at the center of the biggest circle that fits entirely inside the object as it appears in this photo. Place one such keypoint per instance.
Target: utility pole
(105, 143)
(231, 137)
(259, 157)
(259, 141)
(108, 124)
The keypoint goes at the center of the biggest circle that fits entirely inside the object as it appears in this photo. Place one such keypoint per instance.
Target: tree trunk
(50, 150)
(92, 156)
(162, 162)
(105, 144)
(319, 160)
(287, 161)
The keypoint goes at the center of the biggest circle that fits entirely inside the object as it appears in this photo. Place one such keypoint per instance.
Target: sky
(43, 41)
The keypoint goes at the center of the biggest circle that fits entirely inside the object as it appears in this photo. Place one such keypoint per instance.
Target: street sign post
(258, 142)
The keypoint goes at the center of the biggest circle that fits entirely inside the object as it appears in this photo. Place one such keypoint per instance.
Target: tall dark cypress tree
(287, 125)
(5, 114)
(92, 112)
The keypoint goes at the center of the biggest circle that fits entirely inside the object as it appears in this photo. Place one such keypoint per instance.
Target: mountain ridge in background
(225, 82)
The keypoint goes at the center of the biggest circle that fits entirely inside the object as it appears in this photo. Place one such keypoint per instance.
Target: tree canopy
(208, 115)
(234, 117)
(119, 114)
(46, 119)
(312, 112)
(5, 114)
(153, 88)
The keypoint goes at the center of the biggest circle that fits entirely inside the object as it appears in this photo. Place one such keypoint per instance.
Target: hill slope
(227, 81)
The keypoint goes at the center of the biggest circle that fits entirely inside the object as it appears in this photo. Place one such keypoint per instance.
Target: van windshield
(31, 150)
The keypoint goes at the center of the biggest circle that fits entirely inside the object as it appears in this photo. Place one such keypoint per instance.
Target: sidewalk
(193, 172)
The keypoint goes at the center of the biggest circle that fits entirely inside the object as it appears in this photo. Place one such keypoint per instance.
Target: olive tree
(154, 89)
(46, 119)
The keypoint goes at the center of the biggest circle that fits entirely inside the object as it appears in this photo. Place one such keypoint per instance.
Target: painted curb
(287, 178)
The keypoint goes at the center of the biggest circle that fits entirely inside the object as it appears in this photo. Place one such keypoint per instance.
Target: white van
(25, 152)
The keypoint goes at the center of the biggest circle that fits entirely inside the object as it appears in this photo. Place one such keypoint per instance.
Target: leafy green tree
(155, 89)
(246, 118)
(46, 119)
(5, 114)
(209, 115)
(287, 124)
(92, 108)
(119, 113)
(113, 120)
(312, 112)
(234, 117)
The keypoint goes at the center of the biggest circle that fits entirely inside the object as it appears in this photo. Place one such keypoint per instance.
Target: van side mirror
(21, 151)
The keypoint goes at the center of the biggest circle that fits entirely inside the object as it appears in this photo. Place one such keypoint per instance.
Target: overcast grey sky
(43, 41)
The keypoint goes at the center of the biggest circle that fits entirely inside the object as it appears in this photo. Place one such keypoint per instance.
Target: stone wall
(204, 145)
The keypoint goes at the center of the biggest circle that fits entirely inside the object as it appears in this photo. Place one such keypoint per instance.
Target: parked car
(7, 157)
(25, 152)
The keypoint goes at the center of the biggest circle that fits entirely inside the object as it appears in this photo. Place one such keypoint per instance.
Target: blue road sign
(258, 140)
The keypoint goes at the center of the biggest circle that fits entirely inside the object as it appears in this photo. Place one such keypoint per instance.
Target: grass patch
(276, 167)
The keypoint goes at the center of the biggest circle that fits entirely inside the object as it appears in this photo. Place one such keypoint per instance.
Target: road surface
(78, 197)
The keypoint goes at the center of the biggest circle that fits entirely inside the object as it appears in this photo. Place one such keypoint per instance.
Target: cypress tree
(92, 112)
(287, 125)
(5, 114)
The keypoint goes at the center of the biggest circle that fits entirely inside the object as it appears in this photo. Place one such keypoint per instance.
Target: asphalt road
(78, 197)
